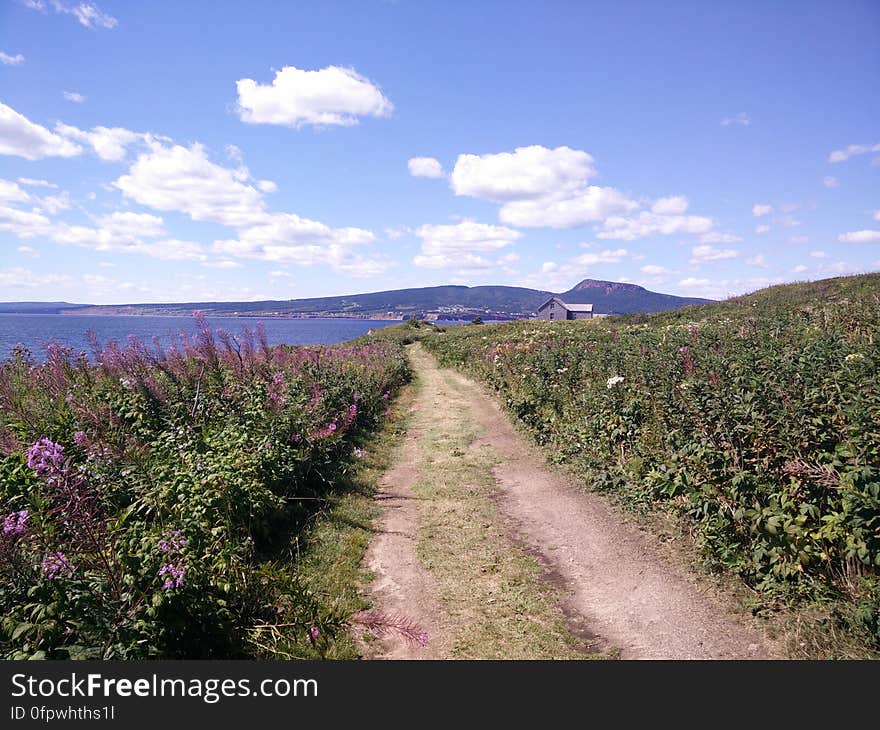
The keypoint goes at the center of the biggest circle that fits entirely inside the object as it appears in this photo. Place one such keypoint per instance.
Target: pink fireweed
(45, 457)
(14, 524)
(172, 542)
(55, 564)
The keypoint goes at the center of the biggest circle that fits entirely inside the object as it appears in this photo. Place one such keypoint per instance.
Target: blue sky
(222, 151)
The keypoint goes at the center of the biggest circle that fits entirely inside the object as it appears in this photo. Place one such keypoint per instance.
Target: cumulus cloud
(12, 192)
(742, 119)
(704, 254)
(331, 96)
(424, 167)
(602, 257)
(589, 205)
(109, 143)
(73, 96)
(527, 173)
(127, 224)
(762, 229)
(818, 254)
(865, 236)
(675, 205)
(176, 178)
(31, 182)
(760, 209)
(757, 260)
(654, 270)
(8, 60)
(651, 224)
(23, 138)
(21, 278)
(719, 237)
(831, 182)
(460, 247)
(851, 151)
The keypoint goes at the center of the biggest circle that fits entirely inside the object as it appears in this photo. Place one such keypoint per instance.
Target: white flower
(854, 356)
(614, 380)
(562, 370)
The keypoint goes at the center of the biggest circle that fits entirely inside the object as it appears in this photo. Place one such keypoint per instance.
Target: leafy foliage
(160, 489)
(758, 419)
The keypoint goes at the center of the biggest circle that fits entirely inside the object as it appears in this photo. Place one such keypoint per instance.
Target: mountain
(617, 298)
(449, 302)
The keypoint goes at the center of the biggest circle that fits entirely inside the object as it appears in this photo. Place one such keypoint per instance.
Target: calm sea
(35, 331)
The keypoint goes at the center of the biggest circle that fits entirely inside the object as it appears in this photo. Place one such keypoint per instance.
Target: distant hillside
(449, 302)
(37, 307)
(616, 298)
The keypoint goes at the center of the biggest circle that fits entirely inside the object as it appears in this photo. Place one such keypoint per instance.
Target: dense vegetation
(149, 497)
(756, 419)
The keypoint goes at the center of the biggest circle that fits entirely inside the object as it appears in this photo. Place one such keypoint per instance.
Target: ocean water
(35, 331)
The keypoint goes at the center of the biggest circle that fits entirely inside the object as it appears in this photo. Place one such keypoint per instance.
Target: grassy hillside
(757, 420)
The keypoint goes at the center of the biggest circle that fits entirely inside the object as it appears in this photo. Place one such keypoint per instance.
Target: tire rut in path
(611, 576)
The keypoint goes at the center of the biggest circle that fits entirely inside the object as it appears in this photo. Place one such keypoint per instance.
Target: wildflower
(683, 349)
(561, 370)
(14, 523)
(54, 564)
(175, 573)
(45, 456)
(172, 542)
(386, 395)
(614, 380)
(854, 356)
(359, 453)
(422, 638)
(313, 633)
(79, 438)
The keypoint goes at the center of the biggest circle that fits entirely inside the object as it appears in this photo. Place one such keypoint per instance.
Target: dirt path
(598, 573)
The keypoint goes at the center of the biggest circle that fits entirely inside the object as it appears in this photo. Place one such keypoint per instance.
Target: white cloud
(588, 205)
(675, 205)
(603, 257)
(184, 179)
(73, 96)
(851, 151)
(8, 60)
(22, 223)
(109, 143)
(36, 183)
(331, 96)
(876, 213)
(789, 207)
(267, 186)
(799, 269)
(719, 237)
(86, 13)
(798, 239)
(467, 237)
(831, 182)
(224, 264)
(650, 224)
(762, 229)
(757, 260)
(691, 282)
(29, 250)
(130, 225)
(424, 167)
(527, 173)
(759, 209)
(21, 278)
(21, 137)
(12, 193)
(703, 254)
(791, 222)
(654, 270)
(864, 236)
(818, 254)
(742, 119)
(53, 204)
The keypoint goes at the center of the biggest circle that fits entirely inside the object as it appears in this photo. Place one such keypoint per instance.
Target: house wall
(581, 315)
(554, 308)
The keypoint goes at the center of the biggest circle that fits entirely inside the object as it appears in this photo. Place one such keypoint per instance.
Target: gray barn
(554, 308)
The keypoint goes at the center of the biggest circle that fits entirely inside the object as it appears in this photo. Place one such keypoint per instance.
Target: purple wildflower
(175, 573)
(79, 438)
(45, 457)
(313, 633)
(173, 542)
(53, 565)
(14, 523)
(683, 349)
(422, 638)
(386, 395)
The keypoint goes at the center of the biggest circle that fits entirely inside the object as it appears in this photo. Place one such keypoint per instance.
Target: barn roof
(569, 307)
